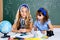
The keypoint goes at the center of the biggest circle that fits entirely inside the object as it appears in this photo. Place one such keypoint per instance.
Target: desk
(55, 37)
(18, 35)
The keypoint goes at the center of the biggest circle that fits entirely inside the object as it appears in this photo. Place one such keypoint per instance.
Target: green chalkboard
(10, 8)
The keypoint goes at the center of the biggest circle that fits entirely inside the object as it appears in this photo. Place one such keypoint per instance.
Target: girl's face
(40, 16)
(24, 11)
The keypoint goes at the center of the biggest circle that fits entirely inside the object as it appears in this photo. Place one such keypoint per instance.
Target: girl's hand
(50, 30)
(22, 30)
(43, 32)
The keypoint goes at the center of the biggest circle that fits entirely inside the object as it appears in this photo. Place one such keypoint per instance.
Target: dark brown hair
(45, 16)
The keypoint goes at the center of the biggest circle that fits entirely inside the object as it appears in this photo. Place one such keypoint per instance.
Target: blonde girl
(23, 13)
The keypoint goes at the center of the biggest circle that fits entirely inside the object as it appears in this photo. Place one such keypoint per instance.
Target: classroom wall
(1, 10)
(53, 6)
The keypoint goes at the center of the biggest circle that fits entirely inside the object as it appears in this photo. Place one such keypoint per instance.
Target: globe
(5, 26)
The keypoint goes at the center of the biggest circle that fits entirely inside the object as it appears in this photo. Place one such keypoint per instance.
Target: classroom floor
(55, 37)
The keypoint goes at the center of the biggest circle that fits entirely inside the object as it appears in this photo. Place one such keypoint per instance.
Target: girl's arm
(31, 25)
(26, 30)
(14, 29)
(50, 26)
(35, 28)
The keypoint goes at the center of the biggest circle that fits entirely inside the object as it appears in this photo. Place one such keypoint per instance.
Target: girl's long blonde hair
(27, 19)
